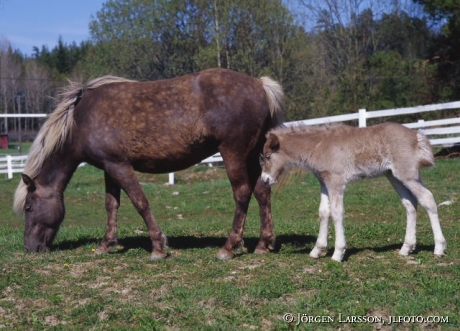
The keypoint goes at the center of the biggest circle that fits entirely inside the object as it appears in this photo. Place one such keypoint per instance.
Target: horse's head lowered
(44, 211)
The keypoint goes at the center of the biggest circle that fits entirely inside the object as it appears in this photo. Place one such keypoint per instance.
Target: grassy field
(70, 289)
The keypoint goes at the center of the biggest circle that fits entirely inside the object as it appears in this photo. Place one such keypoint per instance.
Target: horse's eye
(28, 208)
(267, 156)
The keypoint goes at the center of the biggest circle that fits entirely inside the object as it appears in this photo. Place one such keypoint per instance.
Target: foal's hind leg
(426, 200)
(112, 203)
(409, 202)
(125, 177)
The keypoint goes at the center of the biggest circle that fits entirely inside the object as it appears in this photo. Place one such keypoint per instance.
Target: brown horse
(123, 126)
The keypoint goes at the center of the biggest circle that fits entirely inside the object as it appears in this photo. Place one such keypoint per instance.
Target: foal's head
(274, 160)
(44, 211)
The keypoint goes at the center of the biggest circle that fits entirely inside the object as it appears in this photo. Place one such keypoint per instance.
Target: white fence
(12, 164)
(445, 128)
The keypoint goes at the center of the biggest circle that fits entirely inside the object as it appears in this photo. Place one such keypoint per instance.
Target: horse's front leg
(267, 238)
(112, 203)
(320, 248)
(124, 175)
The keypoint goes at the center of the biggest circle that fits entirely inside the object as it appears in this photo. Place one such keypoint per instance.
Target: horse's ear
(29, 183)
(273, 142)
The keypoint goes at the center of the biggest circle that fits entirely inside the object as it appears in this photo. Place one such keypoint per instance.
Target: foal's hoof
(158, 256)
(225, 255)
(439, 250)
(338, 255)
(316, 253)
(406, 249)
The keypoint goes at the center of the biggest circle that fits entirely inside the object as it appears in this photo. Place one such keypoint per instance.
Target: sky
(28, 23)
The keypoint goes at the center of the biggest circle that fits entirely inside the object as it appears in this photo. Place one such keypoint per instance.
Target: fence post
(171, 178)
(422, 128)
(9, 166)
(362, 118)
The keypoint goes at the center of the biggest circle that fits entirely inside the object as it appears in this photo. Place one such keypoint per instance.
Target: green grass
(70, 289)
(16, 149)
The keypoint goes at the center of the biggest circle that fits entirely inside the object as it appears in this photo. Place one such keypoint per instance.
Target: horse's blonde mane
(55, 131)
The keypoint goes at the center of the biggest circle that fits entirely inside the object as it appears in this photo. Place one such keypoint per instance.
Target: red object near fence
(4, 141)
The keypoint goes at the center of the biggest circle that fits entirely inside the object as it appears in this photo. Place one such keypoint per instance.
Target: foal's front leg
(324, 214)
(337, 211)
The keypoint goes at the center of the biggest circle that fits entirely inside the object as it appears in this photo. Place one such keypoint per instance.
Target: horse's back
(167, 125)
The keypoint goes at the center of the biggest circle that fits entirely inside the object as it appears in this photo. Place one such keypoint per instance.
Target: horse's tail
(55, 131)
(275, 96)
(425, 152)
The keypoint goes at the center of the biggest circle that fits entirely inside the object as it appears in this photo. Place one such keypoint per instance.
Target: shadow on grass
(302, 244)
(186, 242)
(393, 247)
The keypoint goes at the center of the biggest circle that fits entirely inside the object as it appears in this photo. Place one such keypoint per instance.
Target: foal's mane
(55, 131)
(304, 128)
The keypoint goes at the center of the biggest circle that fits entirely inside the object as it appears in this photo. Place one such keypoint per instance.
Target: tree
(158, 39)
(10, 72)
(445, 48)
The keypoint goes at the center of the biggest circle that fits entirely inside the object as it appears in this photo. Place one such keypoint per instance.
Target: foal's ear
(273, 142)
(29, 183)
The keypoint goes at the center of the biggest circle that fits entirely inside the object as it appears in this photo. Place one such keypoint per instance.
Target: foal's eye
(267, 156)
(28, 208)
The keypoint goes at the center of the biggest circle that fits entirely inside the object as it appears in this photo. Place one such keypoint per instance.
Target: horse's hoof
(100, 251)
(225, 255)
(158, 256)
(261, 251)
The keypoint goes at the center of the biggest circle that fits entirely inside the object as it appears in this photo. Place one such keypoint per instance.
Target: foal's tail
(275, 96)
(425, 152)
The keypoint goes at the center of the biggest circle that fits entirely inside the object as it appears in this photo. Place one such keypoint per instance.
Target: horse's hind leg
(125, 177)
(262, 193)
(112, 203)
(242, 190)
(267, 239)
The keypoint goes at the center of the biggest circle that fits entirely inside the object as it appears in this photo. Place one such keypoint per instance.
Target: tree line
(331, 56)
